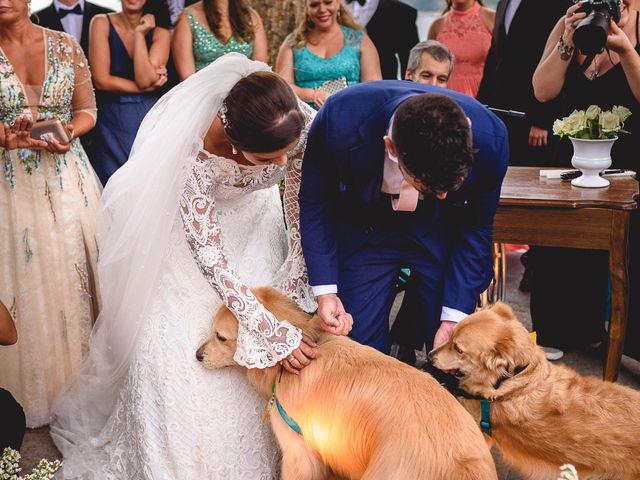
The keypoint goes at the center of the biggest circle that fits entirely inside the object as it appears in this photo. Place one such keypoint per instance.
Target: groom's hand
(444, 333)
(334, 318)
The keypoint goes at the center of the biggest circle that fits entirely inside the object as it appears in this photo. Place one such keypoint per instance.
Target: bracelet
(565, 51)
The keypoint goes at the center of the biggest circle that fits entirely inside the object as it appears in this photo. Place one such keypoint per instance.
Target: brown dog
(363, 415)
(543, 415)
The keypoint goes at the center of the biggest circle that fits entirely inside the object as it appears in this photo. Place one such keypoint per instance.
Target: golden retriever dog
(362, 414)
(543, 415)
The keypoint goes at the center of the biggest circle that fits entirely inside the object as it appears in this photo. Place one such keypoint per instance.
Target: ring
(291, 358)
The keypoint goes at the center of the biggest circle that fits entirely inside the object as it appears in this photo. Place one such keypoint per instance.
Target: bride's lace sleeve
(292, 277)
(262, 339)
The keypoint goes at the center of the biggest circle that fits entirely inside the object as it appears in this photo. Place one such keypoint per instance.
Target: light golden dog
(543, 415)
(363, 415)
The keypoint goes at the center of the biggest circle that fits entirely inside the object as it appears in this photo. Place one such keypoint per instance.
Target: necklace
(594, 73)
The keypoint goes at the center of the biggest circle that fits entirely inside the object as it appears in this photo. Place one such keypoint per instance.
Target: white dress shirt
(510, 12)
(72, 23)
(391, 182)
(363, 13)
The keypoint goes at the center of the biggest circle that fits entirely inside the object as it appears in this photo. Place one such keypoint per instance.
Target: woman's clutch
(52, 129)
(333, 86)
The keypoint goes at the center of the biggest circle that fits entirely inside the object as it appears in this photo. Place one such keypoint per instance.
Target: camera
(591, 33)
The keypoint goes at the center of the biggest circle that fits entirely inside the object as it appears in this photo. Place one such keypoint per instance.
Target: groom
(399, 174)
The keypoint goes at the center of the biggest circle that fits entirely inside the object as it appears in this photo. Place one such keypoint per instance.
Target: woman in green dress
(209, 29)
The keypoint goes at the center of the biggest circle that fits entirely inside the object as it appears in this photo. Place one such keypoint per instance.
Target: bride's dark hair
(262, 114)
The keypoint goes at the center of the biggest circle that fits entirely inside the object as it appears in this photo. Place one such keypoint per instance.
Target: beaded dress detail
(207, 47)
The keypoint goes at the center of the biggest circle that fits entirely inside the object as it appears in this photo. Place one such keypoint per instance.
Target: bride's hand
(301, 356)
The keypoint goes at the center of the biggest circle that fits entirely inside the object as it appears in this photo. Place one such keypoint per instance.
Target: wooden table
(535, 210)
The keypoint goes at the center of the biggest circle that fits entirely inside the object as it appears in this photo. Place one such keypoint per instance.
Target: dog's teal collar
(287, 419)
(485, 417)
(485, 405)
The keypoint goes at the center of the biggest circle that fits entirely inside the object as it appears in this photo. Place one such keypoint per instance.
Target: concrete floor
(37, 443)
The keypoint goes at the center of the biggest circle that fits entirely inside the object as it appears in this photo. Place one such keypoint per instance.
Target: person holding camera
(49, 196)
(592, 57)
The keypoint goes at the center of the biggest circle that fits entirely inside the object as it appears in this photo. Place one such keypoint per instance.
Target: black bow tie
(361, 2)
(77, 10)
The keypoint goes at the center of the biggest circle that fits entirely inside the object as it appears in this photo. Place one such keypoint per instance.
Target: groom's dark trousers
(352, 238)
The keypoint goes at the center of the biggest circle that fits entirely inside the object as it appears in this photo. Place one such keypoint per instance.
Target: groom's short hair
(432, 139)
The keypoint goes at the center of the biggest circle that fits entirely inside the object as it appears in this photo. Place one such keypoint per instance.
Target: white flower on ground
(568, 472)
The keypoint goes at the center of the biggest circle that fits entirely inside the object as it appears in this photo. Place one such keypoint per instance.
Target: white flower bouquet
(9, 467)
(593, 123)
(568, 472)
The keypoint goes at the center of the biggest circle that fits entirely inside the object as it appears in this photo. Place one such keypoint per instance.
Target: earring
(233, 149)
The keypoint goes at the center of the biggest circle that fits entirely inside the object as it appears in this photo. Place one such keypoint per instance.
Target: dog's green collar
(485, 417)
(287, 419)
(485, 405)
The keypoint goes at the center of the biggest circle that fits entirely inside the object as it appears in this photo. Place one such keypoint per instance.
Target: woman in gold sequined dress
(48, 200)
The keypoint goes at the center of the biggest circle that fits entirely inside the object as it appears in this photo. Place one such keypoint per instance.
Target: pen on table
(576, 173)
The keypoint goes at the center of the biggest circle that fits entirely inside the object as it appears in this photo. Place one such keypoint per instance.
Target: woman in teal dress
(327, 51)
(209, 29)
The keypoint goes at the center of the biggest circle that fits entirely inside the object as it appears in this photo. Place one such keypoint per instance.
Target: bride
(191, 219)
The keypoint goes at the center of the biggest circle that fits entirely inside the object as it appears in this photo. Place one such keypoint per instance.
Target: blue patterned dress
(207, 47)
(310, 70)
(48, 248)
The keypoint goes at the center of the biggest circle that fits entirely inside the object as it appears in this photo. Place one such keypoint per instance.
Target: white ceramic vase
(591, 157)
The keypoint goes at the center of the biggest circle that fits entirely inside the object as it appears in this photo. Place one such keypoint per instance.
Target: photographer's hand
(618, 41)
(571, 21)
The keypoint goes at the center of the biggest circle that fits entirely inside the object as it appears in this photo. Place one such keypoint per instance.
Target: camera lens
(591, 34)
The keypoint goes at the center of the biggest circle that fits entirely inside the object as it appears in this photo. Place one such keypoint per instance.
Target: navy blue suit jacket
(341, 202)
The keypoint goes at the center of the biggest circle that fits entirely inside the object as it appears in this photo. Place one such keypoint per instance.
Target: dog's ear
(507, 353)
(494, 361)
(514, 349)
(503, 311)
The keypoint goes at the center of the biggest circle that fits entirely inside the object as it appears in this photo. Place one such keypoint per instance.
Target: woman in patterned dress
(209, 29)
(194, 218)
(326, 45)
(49, 196)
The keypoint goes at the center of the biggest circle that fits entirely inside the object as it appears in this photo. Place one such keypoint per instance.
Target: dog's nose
(200, 353)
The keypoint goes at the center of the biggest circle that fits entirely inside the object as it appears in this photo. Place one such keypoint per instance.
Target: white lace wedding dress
(173, 419)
